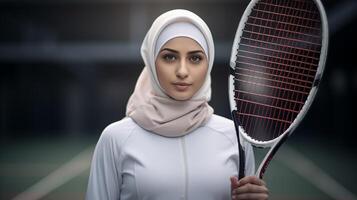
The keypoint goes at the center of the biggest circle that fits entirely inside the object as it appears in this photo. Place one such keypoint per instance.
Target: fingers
(250, 191)
(251, 179)
(234, 182)
(249, 187)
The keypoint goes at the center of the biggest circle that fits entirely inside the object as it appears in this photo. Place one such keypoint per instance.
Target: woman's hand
(249, 187)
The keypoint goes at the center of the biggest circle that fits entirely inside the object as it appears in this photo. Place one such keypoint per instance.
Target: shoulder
(220, 123)
(222, 126)
(118, 132)
(123, 126)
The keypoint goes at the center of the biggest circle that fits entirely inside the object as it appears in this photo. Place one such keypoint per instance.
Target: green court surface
(58, 168)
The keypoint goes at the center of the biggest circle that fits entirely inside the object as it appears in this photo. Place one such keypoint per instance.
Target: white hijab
(149, 106)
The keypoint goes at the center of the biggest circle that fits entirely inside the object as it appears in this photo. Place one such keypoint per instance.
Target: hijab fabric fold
(149, 106)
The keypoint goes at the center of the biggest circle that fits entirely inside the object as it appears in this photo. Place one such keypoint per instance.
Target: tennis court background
(68, 68)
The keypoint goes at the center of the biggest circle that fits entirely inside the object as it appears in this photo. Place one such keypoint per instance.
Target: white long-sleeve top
(130, 163)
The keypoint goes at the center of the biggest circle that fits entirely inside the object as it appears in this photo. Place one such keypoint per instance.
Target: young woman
(171, 145)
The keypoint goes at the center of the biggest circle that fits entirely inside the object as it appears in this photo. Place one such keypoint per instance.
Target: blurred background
(67, 69)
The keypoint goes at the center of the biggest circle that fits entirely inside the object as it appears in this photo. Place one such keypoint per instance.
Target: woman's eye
(195, 58)
(169, 57)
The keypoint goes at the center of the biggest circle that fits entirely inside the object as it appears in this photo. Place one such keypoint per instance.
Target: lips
(182, 86)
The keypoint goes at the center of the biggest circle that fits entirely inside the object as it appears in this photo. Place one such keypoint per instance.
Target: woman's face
(181, 67)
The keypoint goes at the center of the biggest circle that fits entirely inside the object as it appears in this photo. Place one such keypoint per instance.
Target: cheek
(162, 74)
(201, 76)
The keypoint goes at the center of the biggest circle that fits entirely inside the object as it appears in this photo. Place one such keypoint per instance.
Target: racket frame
(277, 142)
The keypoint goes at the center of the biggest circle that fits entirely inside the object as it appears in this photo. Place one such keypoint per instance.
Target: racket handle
(241, 161)
(241, 172)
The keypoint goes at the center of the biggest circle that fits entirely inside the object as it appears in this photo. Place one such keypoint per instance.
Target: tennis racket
(278, 57)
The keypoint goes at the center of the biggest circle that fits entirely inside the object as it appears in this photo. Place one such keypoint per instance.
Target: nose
(182, 70)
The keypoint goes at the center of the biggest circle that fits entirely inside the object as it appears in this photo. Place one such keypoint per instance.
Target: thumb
(234, 182)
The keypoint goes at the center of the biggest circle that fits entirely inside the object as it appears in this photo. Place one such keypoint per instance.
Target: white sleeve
(105, 178)
(249, 159)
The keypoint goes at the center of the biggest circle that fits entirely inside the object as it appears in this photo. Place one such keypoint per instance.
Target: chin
(181, 97)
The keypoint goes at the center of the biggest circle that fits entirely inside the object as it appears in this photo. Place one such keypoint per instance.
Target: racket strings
(284, 91)
(273, 56)
(276, 82)
(276, 65)
(276, 128)
(291, 63)
(300, 28)
(273, 76)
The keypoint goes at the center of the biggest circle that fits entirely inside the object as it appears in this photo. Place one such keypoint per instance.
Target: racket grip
(241, 172)
(241, 162)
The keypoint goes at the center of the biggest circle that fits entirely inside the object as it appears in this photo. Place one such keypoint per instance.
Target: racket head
(318, 66)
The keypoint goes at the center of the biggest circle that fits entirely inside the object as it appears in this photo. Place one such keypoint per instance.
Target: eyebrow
(190, 52)
(167, 49)
(196, 51)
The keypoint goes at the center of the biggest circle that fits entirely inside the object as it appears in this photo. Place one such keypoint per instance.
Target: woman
(171, 145)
